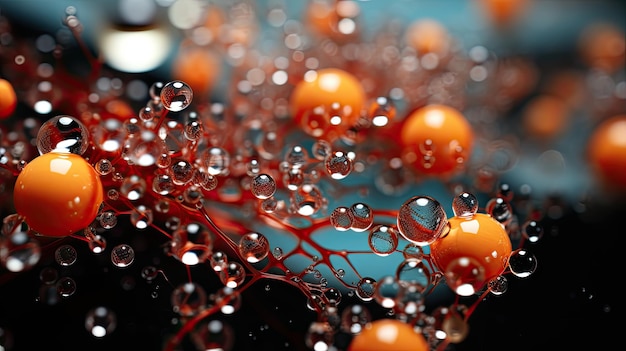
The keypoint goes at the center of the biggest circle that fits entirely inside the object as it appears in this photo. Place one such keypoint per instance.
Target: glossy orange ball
(475, 250)
(338, 93)
(437, 139)
(428, 36)
(57, 194)
(607, 152)
(388, 334)
(8, 99)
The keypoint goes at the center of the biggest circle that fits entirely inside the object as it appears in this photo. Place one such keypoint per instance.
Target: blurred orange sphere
(607, 151)
(428, 36)
(545, 116)
(475, 250)
(603, 46)
(8, 99)
(388, 334)
(338, 93)
(58, 193)
(198, 67)
(438, 137)
(504, 12)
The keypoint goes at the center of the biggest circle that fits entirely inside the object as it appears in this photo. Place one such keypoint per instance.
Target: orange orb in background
(428, 36)
(504, 12)
(607, 151)
(545, 116)
(327, 101)
(58, 193)
(197, 66)
(603, 46)
(437, 139)
(475, 250)
(8, 99)
(388, 334)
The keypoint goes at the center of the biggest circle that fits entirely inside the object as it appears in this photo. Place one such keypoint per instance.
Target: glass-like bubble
(381, 111)
(122, 255)
(341, 218)
(133, 187)
(228, 299)
(319, 336)
(254, 247)
(297, 156)
(354, 319)
(366, 288)
(104, 166)
(108, 219)
(155, 90)
(63, 133)
(410, 300)
(465, 276)
(65, 255)
(217, 161)
(176, 95)
(181, 171)
(421, 220)
(465, 205)
(192, 243)
(141, 217)
(455, 327)
(188, 299)
(362, 217)
(263, 186)
(213, 335)
(498, 285)
(387, 291)
(100, 321)
(97, 243)
(500, 209)
(413, 251)
(532, 231)
(219, 261)
(522, 263)
(269, 205)
(338, 165)
(233, 275)
(383, 240)
(149, 273)
(321, 149)
(48, 275)
(307, 200)
(19, 252)
(66, 287)
(412, 271)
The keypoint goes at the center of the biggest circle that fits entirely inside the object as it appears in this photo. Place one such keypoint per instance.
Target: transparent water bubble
(500, 209)
(297, 156)
(383, 240)
(413, 251)
(104, 166)
(522, 263)
(63, 133)
(192, 243)
(465, 276)
(455, 327)
(254, 247)
(122, 255)
(411, 298)
(263, 186)
(145, 149)
(19, 252)
(233, 275)
(362, 217)
(141, 217)
(149, 273)
(307, 200)
(100, 321)
(229, 300)
(182, 172)
(319, 336)
(217, 161)
(269, 205)
(219, 261)
(498, 285)
(213, 335)
(354, 319)
(381, 111)
(188, 299)
(65, 255)
(108, 219)
(48, 275)
(321, 149)
(532, 231)
(133, 187)
(66, 287)
(366, 288)
(97, 243)
(341, 218)
(155, 90)
(465, 205)
(421, 220)
(176, 95)
(412, 271)
(387, 291)
(338, 165)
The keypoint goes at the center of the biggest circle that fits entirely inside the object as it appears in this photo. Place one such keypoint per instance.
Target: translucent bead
(213, 335)
(182, 172)
(362, 217)
(122, 255)
(103, 167)
(532, 231)
(412, 271)
(254, 247)
(233, 275)
(66, 287)
(64, 133)
(217, 161)
(383, 240)
(365, 288)
(263, 186)
(381, 111)
(522, 263)
(307, 200)
(188, 299)
(297, 156)
(321, 149)
(421, 220)
(19, 252)
(108, 219)
(65, 255)
(341, 218)
(192, 243)
(500, 210)
(465, 205)
(319, 336)
(498, 285)
(354, 318)
(100, 321)
(387, 291)
(176, 96)
(338, 165)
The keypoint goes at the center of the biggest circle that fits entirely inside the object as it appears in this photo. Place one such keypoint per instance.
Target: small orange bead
(607, 152)
(388, 334)
(8, 99)
(58, 193)
(504, 12)
(437, 138)
(428, 36)
(326, 88)
(535, 117)
(478, 243)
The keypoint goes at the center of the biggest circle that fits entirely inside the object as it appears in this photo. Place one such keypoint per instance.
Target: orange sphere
(603, 46)
(340, 95)
(607, 151)
(428, 36)
(388, 334)
(504, 12)
(545, 116)
(198, 67)
(475, 250)
(8, 98)
(437, 139)
(58, 193)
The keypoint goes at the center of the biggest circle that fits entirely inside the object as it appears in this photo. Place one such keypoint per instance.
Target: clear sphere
(176, 96)
(64, 133)
(421, 220)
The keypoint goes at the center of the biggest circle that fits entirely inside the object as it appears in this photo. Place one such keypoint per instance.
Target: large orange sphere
(437, 138)
(340, 95)
(8, 98)
(58, 193)
(388, 334)
(475, 250)
(607, 151)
